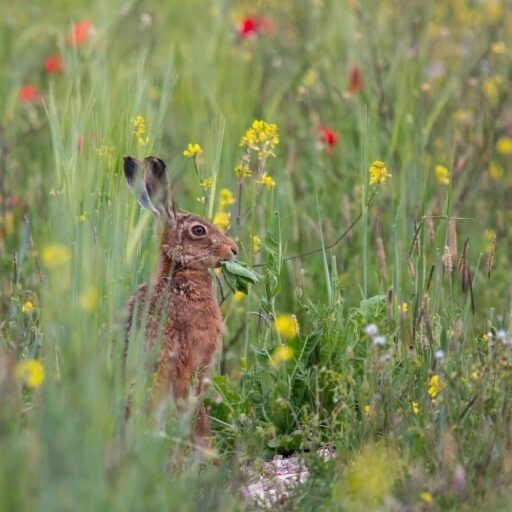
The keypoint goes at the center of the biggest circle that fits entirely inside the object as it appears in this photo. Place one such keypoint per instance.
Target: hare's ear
(150, 186)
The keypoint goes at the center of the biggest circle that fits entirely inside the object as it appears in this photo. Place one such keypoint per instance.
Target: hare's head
(188, 241)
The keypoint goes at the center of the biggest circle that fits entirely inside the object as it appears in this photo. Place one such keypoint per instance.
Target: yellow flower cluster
(30, 373)
(504, 146)
(55, 256)
(140, 130)
(378, 173)
(221, 220)
(442, 175)
(27, 307)
(226, 198)
(286, 325)
(222, 217)
(256, 243)
(192, 151)
(242, 170)
(280, 355)
(266, 181)
(434, 386)
(206, 183)
(262, 137)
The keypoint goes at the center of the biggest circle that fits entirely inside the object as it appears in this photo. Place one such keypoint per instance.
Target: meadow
(359, 152)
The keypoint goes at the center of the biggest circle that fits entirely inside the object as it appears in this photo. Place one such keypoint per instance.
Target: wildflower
(280, 355)
(206, 183)
(248, 27)
(504, 145)
(475, 375)
(267, 181)
(403, 308)
(27, 307)
(426, 497)
(371, 330)
(54, 64)
(192, 151)
(238, 296)
(221, 220)
(370, 477)
(88, 300)
(243, 171)
(29, 93)
(415, 407)
(226, 198)
(82, 217)
(501, 335)
(80, 31)
(439, 355)
(356, 82)
(256, 243)
(329, 138)
(286, 325)
(495, 171)
(262, 137)
(442, 175)
(378, 341)
(498, 48)
(367, 410)
(30, 373)
(434, 387)
(378, 173)
(140, 130)
(55, 256)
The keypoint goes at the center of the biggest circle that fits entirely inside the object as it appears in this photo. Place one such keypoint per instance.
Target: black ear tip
(130, 167)
(157, 165)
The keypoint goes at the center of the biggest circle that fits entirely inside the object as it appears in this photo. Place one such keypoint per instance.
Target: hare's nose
(234, 249)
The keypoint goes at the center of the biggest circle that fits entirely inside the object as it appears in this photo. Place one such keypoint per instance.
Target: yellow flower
(82, 217)
(140, 130)
(286, 325)
(426, 497)
(226, 198)
(27, 307)
(243, 171)
(30, 373)
(475, 375)
(238, 296)
(504, 145)
(370, 477)
(206, 183)
(495, 171)
(256, 243)
(280, 355)
(192, 151)
(403, 308)
(267, 181)
(55, 256)
(221, 220)
(498, 48)
(434, 387)
(378, 173)
(442, 175)
(262, 137)
(415, 407)
(88, 300)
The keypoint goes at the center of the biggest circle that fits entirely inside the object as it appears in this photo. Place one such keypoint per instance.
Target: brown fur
(182, 311)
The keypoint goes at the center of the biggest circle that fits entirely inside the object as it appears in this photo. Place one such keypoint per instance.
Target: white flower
(371, 330)
(501, 335)
(379, 340)
(439, 355)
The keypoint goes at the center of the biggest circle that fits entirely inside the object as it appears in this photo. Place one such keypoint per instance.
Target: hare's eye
(198, 230)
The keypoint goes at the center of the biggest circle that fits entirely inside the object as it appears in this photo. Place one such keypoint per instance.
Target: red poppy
(356, 81)
(329, 137)
(248, 27)
(80, 31)
(54, 64)
(29, 93)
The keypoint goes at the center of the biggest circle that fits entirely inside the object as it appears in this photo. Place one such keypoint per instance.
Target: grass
(420, 419)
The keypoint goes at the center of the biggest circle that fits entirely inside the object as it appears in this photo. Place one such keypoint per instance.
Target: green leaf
(241, 270)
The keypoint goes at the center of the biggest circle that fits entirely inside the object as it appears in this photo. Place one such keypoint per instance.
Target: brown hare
(179, 307)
